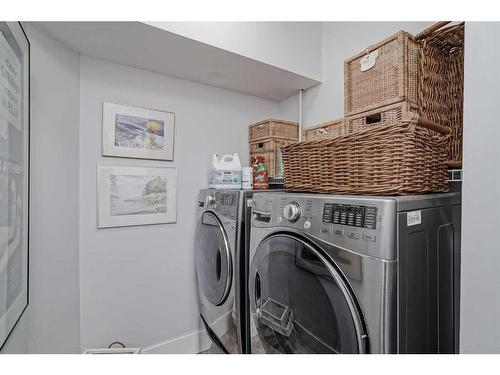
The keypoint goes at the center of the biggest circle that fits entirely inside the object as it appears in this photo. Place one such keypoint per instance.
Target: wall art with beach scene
(136, 195)
(134, 132)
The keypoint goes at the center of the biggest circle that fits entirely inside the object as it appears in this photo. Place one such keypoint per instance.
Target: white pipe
(300, 114)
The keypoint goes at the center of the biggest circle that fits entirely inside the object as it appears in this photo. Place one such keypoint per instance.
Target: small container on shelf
(391, 114)
(326, 130)
(273, 128)
(270, 150)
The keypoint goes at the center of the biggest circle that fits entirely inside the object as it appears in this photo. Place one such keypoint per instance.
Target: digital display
(227, 199)
(352, 215)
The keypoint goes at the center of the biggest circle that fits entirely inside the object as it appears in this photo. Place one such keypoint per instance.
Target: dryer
(220, 263)
(354, 274)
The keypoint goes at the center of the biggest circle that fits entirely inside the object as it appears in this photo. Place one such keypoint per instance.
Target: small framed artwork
(134, 132)
(128, 196)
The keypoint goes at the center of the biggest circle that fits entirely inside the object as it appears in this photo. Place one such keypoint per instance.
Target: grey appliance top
(364, 224)
(419, 202)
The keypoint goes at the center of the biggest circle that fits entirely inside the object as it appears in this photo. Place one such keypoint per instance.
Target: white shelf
(147, 47)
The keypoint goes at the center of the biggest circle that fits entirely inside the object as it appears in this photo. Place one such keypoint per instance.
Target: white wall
(340, 40)
(293, 46)
(138, 284)
(480, 299)
(51, 322)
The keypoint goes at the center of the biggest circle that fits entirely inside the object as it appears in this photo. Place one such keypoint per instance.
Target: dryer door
(212, 259)
(299, 301)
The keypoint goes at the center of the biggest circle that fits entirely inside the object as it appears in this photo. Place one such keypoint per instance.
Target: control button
(292, 212)
(279, 219)
(369, 237)
(353, 235)
(370, 217)
(325, 230)
(339, 232)
(327, 213)
(343, 218)
(307, 225)
(211, 201)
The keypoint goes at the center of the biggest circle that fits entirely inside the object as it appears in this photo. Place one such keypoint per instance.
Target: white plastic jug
(225, 172)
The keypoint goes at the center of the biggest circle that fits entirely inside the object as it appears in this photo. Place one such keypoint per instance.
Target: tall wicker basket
(441, 81)
(398, 159)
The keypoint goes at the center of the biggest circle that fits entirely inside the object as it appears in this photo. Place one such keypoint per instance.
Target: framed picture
(14, 175)
(135, 195)
(133, 132)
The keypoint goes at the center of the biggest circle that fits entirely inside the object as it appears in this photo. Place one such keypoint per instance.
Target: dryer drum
(299, 302)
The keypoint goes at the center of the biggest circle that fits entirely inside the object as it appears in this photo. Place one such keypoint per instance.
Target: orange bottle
(260, 174)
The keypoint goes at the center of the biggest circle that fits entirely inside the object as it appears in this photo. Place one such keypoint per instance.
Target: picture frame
(136, 132)
(14, 176)
(132, 195)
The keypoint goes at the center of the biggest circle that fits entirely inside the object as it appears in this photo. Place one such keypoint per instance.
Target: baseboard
(191, 343)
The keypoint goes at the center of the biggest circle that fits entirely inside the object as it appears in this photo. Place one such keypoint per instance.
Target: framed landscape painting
(14, 175)
(135, 195)
(134, 132)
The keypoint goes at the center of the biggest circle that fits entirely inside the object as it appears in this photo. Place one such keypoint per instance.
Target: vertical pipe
(301, 91)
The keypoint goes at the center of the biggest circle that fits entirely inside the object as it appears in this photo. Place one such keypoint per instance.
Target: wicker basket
(392, 78)
(270, 149)
(386, 160)
(442, 81)
(388, 115)
(273, 128)
(326, 130)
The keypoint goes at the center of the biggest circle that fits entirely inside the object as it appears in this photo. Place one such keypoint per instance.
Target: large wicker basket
(399, 159)
(326, 130)
(392, 78)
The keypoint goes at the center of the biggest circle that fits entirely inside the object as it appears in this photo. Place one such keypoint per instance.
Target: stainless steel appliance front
(324, 273)
(216, 241)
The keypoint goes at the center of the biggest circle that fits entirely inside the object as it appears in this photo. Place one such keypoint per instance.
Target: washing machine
(354, 274)
(220, 241)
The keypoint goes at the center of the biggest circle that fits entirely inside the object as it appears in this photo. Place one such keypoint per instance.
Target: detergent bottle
(225, 172)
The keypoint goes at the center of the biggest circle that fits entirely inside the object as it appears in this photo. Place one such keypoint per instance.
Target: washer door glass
(212, 259)
(299, 301)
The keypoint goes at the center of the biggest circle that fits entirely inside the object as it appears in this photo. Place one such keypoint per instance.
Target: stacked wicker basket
(267, 139)
(403, 124)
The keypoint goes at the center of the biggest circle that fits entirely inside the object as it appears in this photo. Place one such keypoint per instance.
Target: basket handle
(431, 125)
(424, 34)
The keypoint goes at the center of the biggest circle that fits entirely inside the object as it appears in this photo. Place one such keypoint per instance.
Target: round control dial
(292, 212)
(210, 201)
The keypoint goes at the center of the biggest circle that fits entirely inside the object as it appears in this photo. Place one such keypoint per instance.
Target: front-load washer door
(212, 259)
(300, 302)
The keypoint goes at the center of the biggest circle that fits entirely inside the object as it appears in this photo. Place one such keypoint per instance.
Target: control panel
(361, 224)
(225, 203)
(350, 215)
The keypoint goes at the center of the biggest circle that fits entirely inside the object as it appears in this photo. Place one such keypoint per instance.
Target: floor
(230, 342)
